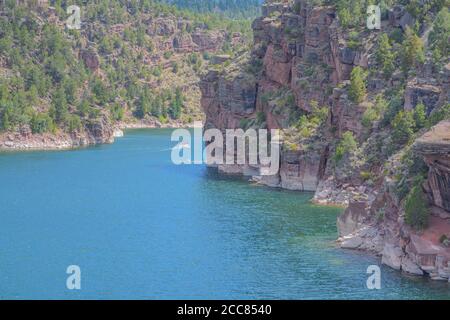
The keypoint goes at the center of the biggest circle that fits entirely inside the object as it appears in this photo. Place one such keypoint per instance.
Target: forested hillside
(230, 8)
(130, 60)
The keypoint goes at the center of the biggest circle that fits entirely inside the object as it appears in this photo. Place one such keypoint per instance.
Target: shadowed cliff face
(434, 146)
(302, 59)
(296, 59)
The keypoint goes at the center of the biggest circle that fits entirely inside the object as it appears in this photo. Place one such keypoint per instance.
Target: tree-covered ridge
(353, 13)
(47, 84)
(231, 8)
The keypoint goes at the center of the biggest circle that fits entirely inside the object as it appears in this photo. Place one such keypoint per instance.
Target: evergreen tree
(59, 109)
(403, 125)
(346, 146)
(440, 35)
(420, 116)
(385, 56)
(176, 104)
(412, 50)
(357, 90)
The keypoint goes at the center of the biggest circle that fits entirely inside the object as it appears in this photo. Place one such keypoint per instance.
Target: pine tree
(420, 116)
(385, 56)
(403, 125)
(176, 104)
(59, 109)
(357, 89)
(439, 36)
(412, 49)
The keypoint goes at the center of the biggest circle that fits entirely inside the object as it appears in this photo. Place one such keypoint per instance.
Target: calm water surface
(140, 227)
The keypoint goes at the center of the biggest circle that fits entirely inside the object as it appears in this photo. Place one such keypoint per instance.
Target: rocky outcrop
(299, 56)
(91, 59)
(179, 35)
(302, 59)
(95, 132)
(228, 99)
(379, 225)
(434, 146)
(422, 91)
(399, 17)
(297, 53)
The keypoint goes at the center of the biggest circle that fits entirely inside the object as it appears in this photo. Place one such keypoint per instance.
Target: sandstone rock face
(399, 17)
(172, 33)
(226, 101)
(300, 170)
(276, 66)
(352, 218)
(183, 42)
(392, 256)
(417, 91)
(220, 58)
(161, 27)
(299, 53)
(208, 40)
(435, 148)
(345, 115)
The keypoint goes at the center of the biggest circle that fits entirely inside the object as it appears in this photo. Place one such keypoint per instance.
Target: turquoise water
(140, 227)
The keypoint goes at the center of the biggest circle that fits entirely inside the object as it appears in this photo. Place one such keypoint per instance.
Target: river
(140, 227)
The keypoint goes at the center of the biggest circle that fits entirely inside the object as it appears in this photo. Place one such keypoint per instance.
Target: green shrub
(443, 238)
(440, 33)
(403, 125)
(41, 122)
(244, 123)
(354, 41)
(346, 146)
(396, 35)
(73, 123)
(357, 90)
(369, 116)
(260, 117)
(385, 56)
(168, 54)
(420, 116)
(438, 115)
(117, 112)
(413, 52)
(366, 175)
(157, 71)
(416, 208)
(394, 106)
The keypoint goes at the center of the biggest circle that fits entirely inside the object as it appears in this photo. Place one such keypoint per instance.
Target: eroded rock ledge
(401, 247)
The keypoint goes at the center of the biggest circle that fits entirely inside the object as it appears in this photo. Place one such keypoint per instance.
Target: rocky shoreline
(302, 59)
(98, 132)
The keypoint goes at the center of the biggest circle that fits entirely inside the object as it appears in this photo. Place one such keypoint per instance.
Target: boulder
(91, 59)
(399, 17)
(392, 256)
(419, 91)
(349, 221)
